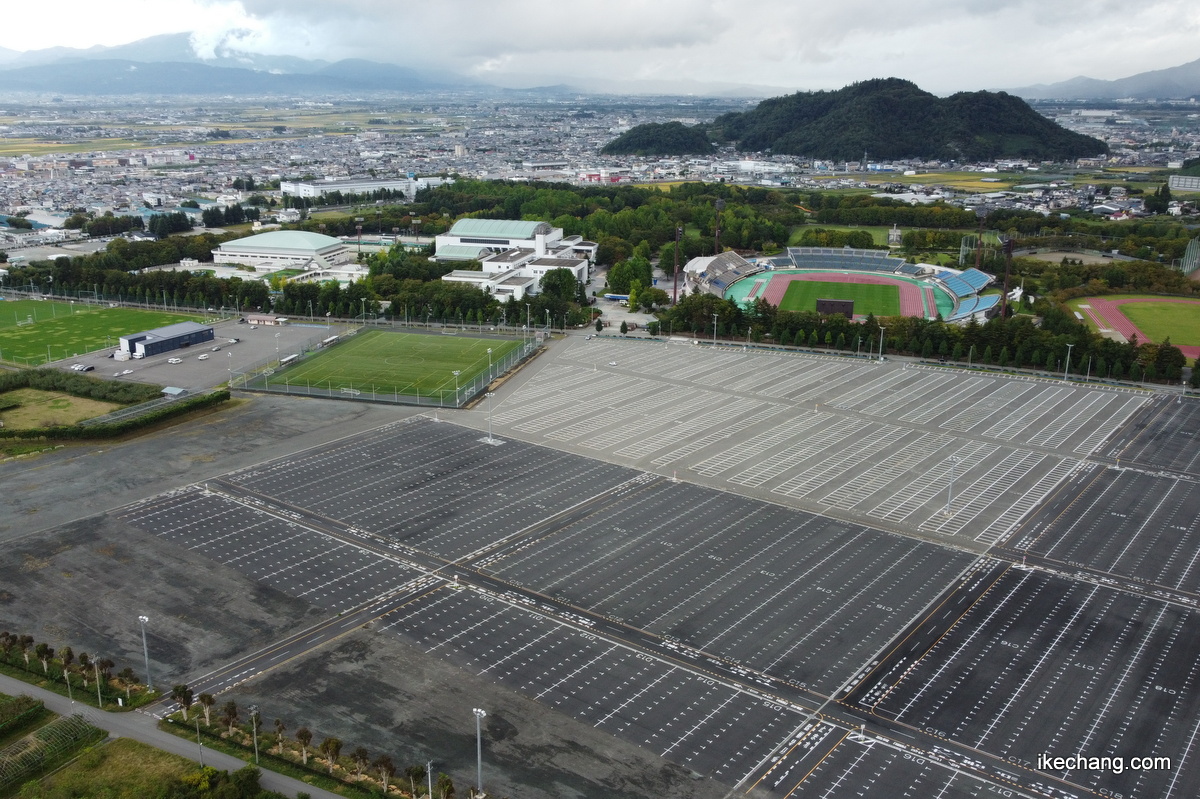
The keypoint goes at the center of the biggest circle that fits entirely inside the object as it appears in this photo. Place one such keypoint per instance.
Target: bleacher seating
(844, 258)
(909, 269)
(976, 279)
(974, 305)
(957, 286)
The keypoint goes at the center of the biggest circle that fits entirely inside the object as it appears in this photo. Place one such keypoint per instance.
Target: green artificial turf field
(384, 362)
(869, 298)
(1178, 321)
(29, 327)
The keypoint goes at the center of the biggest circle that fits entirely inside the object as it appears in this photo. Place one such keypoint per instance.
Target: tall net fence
(45, 746)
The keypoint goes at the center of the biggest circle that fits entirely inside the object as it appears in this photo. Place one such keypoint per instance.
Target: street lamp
(489, 364)
(970, 354)
(954, 459)
(1067, 367)
(144, 620)
(456, 374)
(881, 329)
(714, 330)
(254, 726)
(276, 346)
(479, 714)
(491, 403)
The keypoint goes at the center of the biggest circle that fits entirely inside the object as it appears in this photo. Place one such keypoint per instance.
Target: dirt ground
(374, 690)
(70, 574)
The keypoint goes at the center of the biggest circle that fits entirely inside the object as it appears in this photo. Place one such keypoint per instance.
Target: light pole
(491, 403)
(954, 459)
(489, 364)
(144, 620)
(881, 329)
(714, 330)
(456, 374)
(970, 354)
(229, 363)
(276, 346)
(479, 714)
(199, 742)
(1067, 367)
(254, 726)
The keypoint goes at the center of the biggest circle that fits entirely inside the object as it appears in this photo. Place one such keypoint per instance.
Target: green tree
(44, 652)
(304, 737)
(599, 325)
(624, 327)
(183, 695)
(332, 749)
(280, 737)
(362, 759)
(386, 768)
(206, 702)
(229, 714)
(559, 283)
(1194, 380)
(1051, 362)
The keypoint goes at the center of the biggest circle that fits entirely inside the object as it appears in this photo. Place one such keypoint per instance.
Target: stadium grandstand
(925, 290)
(714, 274)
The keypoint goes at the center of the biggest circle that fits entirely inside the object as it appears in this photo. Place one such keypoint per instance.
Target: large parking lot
(255, 343)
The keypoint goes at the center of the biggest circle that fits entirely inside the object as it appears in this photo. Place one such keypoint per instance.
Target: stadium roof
(277, 240)
(460, 252)
(499, 228)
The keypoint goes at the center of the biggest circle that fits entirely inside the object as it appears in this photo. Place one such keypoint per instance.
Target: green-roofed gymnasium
(285, 249)
(470, 237)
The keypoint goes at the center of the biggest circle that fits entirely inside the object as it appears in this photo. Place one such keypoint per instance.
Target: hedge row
(79, 385)
(112, 429)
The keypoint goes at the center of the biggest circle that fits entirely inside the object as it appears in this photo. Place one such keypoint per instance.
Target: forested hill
(671, 138)
(891, 118)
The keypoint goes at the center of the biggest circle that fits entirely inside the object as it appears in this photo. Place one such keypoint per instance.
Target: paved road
(141, 727)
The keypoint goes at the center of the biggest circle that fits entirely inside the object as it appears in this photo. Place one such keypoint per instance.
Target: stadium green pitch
(29, 327)
(869, 298)
(384, 362)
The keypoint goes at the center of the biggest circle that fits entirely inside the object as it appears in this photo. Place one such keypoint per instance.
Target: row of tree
(67, 666)
(353, 766)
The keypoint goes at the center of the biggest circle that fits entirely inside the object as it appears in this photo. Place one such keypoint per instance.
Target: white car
(612, 363)
(174, 360)
(204, 357)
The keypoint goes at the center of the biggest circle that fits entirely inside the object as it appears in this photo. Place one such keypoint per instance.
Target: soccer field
(1177, 321)
(31, 330)
(869, 298)
(383, 362)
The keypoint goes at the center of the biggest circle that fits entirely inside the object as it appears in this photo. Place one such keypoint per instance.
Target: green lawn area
(402, 363)
(881, 300)
(878, 232)
(1177, 321)
(70, 330)
(121, 768)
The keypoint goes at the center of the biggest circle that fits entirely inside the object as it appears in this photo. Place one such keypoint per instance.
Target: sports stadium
(876, 282)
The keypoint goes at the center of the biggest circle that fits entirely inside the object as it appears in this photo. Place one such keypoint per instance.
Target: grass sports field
(401, 363)
(1177, 321)
(802, 295)
(28, 327)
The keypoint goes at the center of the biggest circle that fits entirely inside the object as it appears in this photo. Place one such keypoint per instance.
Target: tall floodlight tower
(1008, 251)
(720, 206)
(675, 280)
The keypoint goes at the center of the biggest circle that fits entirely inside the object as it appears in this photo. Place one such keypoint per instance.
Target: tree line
(77, 671)
(356, 766)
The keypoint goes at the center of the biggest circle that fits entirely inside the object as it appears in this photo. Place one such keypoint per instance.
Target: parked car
(204, 357)
(217, 348)
(174, 360)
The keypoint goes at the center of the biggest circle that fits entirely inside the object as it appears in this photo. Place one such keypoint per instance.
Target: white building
(471, 239)
(285, 249)
(319, 188)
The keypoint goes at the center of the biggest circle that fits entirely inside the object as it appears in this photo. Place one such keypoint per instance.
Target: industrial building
(164, 339)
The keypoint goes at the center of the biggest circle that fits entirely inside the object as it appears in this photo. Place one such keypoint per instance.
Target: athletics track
(911, 302)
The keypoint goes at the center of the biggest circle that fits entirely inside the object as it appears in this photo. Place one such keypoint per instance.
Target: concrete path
(141, 727)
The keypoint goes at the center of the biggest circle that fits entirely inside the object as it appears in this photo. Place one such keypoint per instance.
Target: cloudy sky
(942, 45)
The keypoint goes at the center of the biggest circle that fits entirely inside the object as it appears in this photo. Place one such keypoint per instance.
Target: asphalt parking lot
(255, 343)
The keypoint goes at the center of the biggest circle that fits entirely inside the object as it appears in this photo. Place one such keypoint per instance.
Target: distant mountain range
(1173, 83)
(168, 64)
(885, 118)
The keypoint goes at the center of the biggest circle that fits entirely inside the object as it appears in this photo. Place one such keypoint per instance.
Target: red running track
(910, 295)
(1111, 311)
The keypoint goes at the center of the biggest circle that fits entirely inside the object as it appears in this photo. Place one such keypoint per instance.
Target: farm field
(868, 298)
(401, 363)
(60, 330)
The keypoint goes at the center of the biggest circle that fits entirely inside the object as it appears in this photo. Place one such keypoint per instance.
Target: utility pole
(675, 280)
(720, 206)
